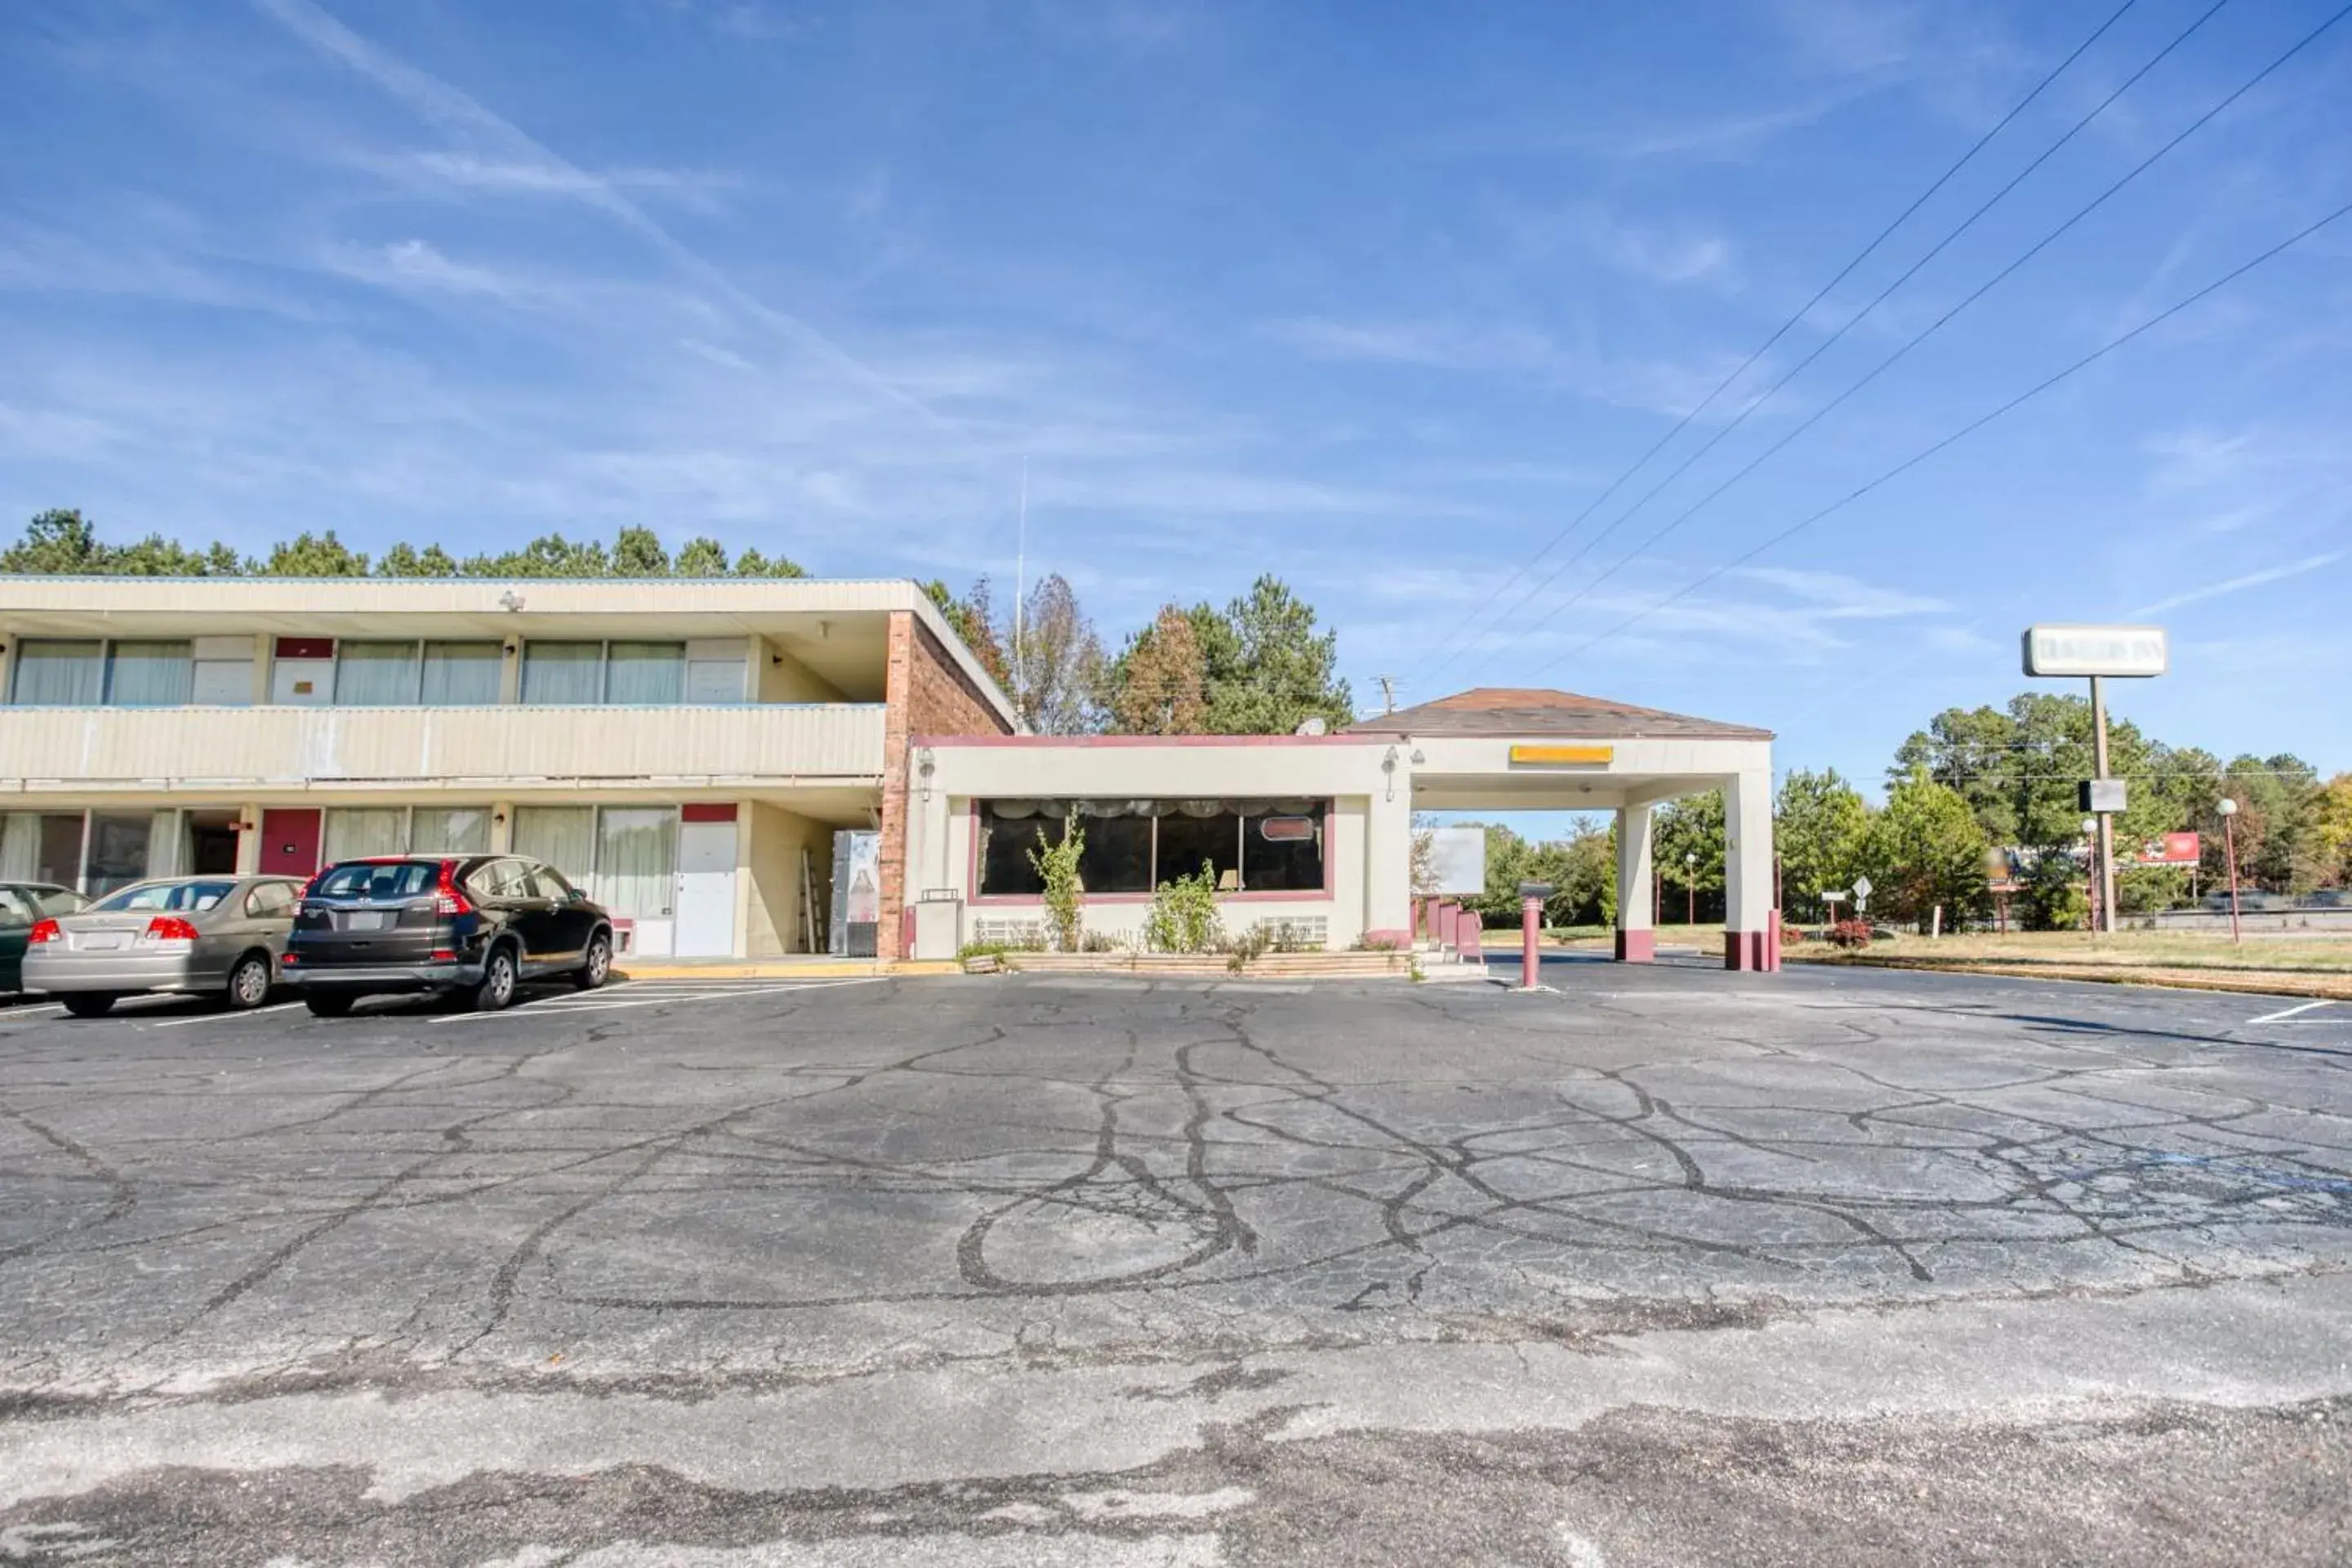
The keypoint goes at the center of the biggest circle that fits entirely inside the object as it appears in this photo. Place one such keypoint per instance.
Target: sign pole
(2107, 849)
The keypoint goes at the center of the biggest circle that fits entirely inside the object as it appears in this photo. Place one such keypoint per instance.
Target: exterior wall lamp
(1389, 768)
(925, 763)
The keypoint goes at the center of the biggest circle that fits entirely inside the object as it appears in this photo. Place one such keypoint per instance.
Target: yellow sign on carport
(1562, 756)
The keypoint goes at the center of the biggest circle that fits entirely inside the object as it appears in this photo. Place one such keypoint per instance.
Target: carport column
(1637, 939)
(1749, 930)
(1388, 857)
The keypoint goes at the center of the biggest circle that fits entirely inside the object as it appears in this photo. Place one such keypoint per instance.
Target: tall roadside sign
(2099, 653)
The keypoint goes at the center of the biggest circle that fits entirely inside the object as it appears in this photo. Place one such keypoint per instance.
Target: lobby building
(685, 750)
(1312, 835)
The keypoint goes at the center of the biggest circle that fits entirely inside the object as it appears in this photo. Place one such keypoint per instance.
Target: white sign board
(2129, 652)
(1458, 861)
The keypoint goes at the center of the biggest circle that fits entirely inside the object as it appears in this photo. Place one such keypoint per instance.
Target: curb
(2327, 987)
(844, 969)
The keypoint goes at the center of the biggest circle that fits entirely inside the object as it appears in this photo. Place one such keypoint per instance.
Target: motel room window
(462, 674)
(458, 829)
(118, 852)
(356, 832)
(53, 673)
(562, 835)
(563, 674)
(646, 673)
(149, 674)
(375, 674)
(637, 861)
(1249, 846)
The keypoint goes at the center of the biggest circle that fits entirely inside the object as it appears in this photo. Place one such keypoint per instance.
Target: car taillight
(45, 930)
(170, 928)
(446, 899)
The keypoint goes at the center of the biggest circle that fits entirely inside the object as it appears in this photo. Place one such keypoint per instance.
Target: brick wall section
(928, 694)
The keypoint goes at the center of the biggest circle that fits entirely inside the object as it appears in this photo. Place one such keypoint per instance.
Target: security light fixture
(509, 601)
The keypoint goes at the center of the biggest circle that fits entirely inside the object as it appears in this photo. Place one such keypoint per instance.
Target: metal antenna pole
(1388, 692)
(1020, 591)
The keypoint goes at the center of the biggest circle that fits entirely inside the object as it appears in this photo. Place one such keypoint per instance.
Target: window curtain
(59, 674)
(151, 675)
(637, 861)
(168, 851)
(375, 674)
(563, 673)
(355, 831)
(646, 672)
(562, 835)
(461, 674)
(20, 848)
(464, 829)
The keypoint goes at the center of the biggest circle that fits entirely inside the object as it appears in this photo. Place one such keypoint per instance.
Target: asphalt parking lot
(1672, 1265)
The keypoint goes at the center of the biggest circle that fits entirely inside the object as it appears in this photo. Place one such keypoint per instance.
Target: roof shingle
(1537, 713)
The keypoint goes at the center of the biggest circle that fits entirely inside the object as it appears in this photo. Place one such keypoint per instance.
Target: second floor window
(53, 672)
(585, 673)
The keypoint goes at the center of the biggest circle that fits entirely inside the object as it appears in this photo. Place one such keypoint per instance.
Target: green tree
(1265, 669)
(62, 542)
(1819, 825)
(701, 557)
(751, 563)
(639, 553)
(407, 561)
(1688, 847)
(1583, 869)
(304, 556)
(1925, 848)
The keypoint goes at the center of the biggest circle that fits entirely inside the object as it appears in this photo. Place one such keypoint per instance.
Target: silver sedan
(208, 936)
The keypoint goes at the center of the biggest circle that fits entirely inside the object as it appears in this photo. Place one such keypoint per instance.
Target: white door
(706, 889)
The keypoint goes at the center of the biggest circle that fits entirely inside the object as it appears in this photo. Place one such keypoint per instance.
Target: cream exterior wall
(78, 751)
(784, 679)
(768, 879)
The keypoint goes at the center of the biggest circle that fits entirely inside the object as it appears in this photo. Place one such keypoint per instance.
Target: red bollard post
(1530, 933)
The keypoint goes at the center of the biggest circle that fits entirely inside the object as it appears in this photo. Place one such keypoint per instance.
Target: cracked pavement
(1672, 1265)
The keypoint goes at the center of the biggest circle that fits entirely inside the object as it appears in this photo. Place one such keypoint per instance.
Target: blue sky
(1377, 297)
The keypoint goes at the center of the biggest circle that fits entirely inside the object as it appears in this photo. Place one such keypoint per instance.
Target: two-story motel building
(687, 750)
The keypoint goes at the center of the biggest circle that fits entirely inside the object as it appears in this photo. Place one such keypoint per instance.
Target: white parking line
(2287, 1013)
(566, 1005)
(216, 1017)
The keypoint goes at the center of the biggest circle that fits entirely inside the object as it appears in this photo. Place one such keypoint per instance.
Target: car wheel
(88, 1003)
(598, 966)
(497, 988)
(248, 982)
(329, 1004)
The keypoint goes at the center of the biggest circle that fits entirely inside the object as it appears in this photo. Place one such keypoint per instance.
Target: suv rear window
(380, 881)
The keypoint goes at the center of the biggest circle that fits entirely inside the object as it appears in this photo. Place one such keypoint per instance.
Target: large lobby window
(1133, 845)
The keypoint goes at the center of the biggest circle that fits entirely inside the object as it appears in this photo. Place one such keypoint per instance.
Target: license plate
(104, 941)
(368, 920)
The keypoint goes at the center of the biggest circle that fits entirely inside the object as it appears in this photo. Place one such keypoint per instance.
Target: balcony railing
(42, 749)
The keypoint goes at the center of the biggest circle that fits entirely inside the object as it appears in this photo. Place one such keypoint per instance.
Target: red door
(290, 842)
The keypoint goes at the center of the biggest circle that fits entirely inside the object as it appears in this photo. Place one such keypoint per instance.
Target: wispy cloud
(2268, 574)
(1656, 385)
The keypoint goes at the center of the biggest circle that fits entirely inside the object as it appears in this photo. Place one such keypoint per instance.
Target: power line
(1786, 327)
(1936, 325)
(1833, 338)
(1971, 427)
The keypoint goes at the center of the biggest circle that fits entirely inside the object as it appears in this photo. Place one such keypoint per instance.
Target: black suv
(469, 926)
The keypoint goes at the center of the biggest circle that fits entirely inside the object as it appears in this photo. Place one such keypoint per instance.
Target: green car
(21, 904)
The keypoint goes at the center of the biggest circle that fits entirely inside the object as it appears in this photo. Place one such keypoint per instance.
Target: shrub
(1057, 868)
(1791, 935)
(1849, 934)
(1376, 944)
(1183, 917)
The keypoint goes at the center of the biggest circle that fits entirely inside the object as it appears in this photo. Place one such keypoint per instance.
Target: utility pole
(2107, 840)
(1388, 692)
(1021, 595)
